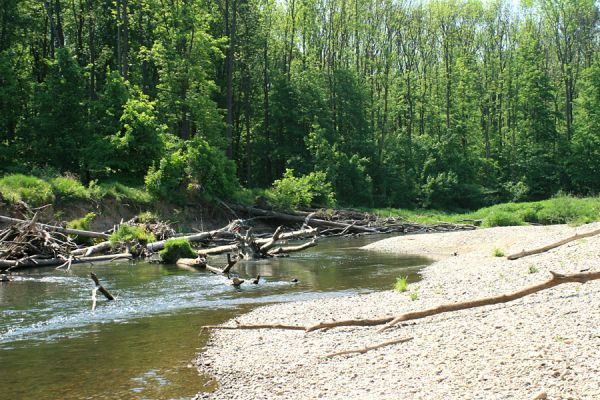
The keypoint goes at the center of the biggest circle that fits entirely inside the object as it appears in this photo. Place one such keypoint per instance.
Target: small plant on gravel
(413, 296)
(401, 284)
(498, 252)
(533, 269)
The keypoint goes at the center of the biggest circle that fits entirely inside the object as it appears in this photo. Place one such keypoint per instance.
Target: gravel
(547, 342)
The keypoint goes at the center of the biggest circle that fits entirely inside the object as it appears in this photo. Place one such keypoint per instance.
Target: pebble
(547, 342)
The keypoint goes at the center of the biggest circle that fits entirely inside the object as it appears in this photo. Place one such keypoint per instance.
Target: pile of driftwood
(344, 222)
(29, 243)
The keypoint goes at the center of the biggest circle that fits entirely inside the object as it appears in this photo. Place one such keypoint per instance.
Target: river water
(52, 346)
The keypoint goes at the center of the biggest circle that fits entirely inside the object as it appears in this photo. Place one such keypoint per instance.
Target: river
(52, 346)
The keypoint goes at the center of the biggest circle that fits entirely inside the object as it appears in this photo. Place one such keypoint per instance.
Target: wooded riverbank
(542, 343)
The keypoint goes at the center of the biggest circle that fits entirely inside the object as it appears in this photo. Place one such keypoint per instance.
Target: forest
(435, 104)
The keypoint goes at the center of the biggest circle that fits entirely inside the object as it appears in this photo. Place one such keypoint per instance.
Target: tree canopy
(441, 103)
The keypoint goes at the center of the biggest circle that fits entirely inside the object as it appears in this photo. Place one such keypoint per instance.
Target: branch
(368, 348)
(555, 280)
(553, 245)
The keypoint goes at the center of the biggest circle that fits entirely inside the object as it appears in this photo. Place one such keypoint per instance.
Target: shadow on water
(140, 346)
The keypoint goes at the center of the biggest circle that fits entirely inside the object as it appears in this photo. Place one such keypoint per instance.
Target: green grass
(413, 296)
(82, 224)
(37, 191)
(561, 209)
(131, 234)
(498, 252)
(120, 192)
(401, 284)
(176, 249)
(69, 188)
(34, 191)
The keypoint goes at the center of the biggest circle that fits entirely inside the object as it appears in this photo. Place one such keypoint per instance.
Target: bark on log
(555, 280)
(88, 251)
(218, 250)
(272, 241)
(292, 249)
(197, 237)
(66, 231)
(363, 350)
(302, 233)
(301, 219)
(101, 288)
(201, 263)
(553, 245)
(52, 262)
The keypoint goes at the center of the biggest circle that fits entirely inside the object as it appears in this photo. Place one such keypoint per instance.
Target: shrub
(401, 284)
(33, 191)
(176, 249)
(69, 188)
(566, 209)
(502, 218)
(167, 181)
(83, 224)
(291, 192)
(131, 234)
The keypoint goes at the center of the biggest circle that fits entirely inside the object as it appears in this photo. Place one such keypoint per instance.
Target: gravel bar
(546, 344)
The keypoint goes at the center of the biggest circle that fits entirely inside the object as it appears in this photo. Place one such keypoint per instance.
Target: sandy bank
(549, 341)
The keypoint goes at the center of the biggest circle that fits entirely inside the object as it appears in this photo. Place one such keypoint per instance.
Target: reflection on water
(139, 347)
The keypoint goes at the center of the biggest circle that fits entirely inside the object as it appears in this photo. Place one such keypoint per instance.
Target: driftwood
(363, 350)
(52, 228)
(293, 249)
(52, 262)
(555, 280)
(218, 250)
(88, 251)
(99, 288)
(342, 222)
(553, 245)
(202, 263)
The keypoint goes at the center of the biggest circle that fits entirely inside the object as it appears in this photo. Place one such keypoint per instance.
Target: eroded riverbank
(547, 342)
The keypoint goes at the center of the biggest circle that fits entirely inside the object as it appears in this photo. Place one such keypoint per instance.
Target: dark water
(52, 346)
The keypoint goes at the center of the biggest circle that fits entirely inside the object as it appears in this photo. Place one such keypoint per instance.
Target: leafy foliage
(291, 192)
(131, 234)
(82, 224)
(176, 249)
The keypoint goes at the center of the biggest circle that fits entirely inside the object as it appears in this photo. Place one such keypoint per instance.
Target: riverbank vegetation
(453, 104)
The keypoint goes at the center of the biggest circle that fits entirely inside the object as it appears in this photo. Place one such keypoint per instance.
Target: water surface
(52, 346)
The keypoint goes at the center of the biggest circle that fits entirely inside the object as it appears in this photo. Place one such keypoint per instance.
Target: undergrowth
(176, 249)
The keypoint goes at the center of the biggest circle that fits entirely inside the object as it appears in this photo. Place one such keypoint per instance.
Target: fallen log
(302, 233)
(202, 263)
(553, 245)
(292, 249)
(300, 219)
(88, 251)
(264, 249)
(101, 288)
(51, 262)
(66, 231)
(212, 251)
(363, 350)
(196, 237)
(555, 280)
